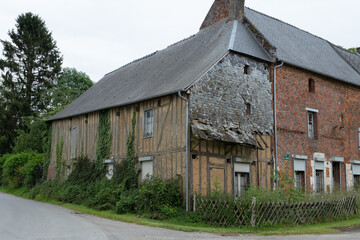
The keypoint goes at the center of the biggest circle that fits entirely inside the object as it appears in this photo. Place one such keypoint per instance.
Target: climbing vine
(126, 173)
(104, 140)
(60, 161)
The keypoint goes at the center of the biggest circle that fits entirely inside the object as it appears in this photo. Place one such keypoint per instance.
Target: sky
(99, 36)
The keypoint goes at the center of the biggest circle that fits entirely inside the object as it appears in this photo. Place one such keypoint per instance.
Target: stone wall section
(221, 96)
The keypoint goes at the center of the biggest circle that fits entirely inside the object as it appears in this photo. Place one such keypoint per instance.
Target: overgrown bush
(155, 197)
(2, 161)
(33, 170)
(12, 169)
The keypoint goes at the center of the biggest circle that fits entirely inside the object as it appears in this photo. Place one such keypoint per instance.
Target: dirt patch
(348, 229)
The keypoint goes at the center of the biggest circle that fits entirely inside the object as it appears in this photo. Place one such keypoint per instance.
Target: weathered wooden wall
(213, 161)
(167, 145)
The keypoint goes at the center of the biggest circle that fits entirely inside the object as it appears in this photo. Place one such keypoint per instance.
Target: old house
(206, 107)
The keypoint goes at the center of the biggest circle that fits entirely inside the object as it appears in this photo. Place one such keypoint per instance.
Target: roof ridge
(344, 49)
(150, 55)
(287, 23)
(342, 57)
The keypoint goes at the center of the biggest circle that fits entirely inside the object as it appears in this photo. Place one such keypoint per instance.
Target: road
(22, 219)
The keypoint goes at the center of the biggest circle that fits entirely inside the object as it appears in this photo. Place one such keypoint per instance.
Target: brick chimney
(231, 9)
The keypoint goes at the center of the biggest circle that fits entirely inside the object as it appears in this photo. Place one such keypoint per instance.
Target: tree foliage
(69, 85)
(32, 62)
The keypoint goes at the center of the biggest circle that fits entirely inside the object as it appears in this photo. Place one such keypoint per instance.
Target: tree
(32, 62)
(69, 85)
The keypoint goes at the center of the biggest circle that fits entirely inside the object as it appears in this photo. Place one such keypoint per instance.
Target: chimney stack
(221, 9)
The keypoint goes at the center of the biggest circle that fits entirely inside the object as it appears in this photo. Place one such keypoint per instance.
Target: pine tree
(32, 62)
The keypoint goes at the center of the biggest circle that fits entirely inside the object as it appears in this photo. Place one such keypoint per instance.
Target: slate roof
(180, 65)
(302, 49)
(167, 71)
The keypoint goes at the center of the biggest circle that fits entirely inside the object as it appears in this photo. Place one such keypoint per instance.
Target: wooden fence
(236, 213)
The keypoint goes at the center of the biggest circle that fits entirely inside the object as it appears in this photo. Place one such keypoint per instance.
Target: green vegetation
(103, 146)
(23, 169)
(33, 86)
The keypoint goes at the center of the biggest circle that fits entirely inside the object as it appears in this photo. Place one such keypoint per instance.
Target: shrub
(12, 169)
(2, 161)
(84, 172)
(32, 170)
(155, 193)
(128, 201)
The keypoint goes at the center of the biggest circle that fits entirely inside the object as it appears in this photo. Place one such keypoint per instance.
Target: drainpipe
(275, 125)
(187, 151)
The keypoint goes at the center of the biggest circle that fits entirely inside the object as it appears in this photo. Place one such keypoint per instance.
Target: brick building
(244, 96)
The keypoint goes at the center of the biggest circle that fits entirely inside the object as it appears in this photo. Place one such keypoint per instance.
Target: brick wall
(337, 120)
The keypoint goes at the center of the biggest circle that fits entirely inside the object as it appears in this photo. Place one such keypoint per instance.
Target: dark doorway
(336, 175)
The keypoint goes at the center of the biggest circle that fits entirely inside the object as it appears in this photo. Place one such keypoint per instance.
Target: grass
(181, 224)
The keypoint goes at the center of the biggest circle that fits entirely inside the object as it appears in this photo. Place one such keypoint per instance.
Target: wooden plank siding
(209, 161)
(213, 162)
(167, 145)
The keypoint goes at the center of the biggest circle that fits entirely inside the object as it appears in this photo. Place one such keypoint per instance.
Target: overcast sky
(98, 36)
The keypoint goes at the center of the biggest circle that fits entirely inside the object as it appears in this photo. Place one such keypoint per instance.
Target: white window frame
(148, 125)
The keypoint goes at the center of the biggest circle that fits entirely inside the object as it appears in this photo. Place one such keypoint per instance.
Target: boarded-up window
(148, 123)
(147, 167)
(74, 139)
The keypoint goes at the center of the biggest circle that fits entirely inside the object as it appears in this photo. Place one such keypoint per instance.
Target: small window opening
(193, 156)
(248, 110)
(148, 123)
(118, 113)
(159, 103)
(359, 137)
(311, 85)
(312, 130)
(246, 69)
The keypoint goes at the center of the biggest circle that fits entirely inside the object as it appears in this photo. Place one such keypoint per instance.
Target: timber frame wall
(209, 160)
(167, 146)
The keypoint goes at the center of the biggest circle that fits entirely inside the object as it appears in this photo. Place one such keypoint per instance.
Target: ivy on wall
(126, 172)
(104, 140)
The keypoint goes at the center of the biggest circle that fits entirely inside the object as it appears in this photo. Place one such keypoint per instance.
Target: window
(248, 110)
(299, 179)
(312, 131)
(359, 137)
(147, 167)
(148, 123)
(299, 168)
(246, 69)
(73, 142)
(356, 173)
(242, 183)
(336, 175)
(319, 181)
(241, 178)
(311, 86)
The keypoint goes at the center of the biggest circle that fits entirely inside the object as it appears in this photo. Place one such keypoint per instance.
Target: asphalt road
(25, 219)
